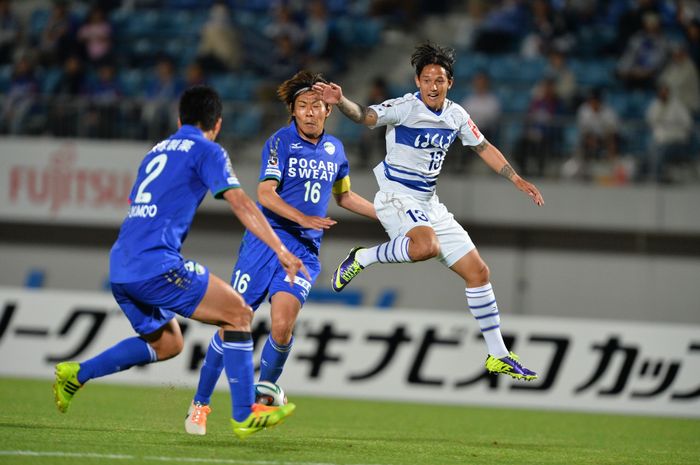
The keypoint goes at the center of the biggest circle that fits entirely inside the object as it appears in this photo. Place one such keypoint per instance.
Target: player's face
(310, 113)
(433, 84)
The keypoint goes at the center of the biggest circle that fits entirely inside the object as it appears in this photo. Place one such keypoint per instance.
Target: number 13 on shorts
(418, 216)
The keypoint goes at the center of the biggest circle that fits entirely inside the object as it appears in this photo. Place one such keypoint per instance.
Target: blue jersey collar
(437, 112)
(293, 128)
(188, 129)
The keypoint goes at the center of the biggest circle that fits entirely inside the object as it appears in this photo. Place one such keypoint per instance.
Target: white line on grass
(89, 455)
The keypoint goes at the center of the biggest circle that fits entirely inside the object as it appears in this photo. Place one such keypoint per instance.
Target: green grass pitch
(111, 424)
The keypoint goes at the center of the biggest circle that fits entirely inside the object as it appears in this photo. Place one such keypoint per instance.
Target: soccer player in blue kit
(420, 127)
(302, 166)
(152, 282)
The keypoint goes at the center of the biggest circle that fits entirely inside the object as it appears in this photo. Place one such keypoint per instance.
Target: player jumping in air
(420, 127)
(302, 166)
(152, 282)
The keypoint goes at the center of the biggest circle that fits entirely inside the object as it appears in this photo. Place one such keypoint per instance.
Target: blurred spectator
(671, 127)
(21, 98)
(692, 34)
(194, 75)
(283, 25)
(598, 127)
(219, 45)
(503, 27)
(373, 142)
(95, 36)
(541, 138)
(548, 31)
(484, 107)
(564, 79)
(10, 32)
(645, 55)
(681, 77)
(631, 22)
(57, 40)
(161, 95)
(468, 24)
(65, 108)
(284, 59)
(323, 44)
(104, 116)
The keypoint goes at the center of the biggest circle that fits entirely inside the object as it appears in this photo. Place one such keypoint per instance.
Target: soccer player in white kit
(419, 129)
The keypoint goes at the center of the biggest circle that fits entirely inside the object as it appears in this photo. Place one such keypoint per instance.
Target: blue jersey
(172, 181)
(307, 174)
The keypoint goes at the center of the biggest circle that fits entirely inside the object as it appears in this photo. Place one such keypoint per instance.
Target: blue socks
(272, 360)
(211, 370)
(238, 361)
(120, 357)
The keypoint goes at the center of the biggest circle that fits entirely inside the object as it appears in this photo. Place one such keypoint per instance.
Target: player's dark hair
(301, 82)
(200, 106)
(428, 53)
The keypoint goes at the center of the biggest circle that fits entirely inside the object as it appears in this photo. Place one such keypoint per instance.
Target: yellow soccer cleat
(261, 417)
(66, 384)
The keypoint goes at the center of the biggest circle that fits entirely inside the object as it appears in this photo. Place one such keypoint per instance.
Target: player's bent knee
(424, 251)
(237, 317)
(167, 348)
(282, 334)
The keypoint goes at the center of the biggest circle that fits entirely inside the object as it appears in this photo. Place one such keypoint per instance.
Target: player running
(420, 127)
(152, 282)
(302, 166)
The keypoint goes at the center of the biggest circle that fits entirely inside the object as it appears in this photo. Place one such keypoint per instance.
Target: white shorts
(399, 213)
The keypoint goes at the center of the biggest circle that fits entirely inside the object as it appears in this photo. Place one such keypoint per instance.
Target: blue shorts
(151, 303)
(258, 273)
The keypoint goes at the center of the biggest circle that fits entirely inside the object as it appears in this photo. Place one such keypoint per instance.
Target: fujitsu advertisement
(65, 181)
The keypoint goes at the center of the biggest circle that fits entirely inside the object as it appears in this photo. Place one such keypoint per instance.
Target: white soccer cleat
(196, 419)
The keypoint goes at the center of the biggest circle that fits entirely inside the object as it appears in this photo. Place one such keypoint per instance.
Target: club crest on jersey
(329, 147)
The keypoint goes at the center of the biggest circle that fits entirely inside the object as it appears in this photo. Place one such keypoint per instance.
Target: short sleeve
(274, 159)
(390, 112)
(469, 133)
(342, 181)
(216, 171)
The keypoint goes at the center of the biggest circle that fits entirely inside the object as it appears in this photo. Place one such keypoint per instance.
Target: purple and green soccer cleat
(348, 269)
(509, 365)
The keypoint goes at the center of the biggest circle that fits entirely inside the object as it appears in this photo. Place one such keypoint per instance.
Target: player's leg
(411, 233)
(226, 308)
(481, 301)
(286, 303)
(160, 338)
(251, 276)
(283, 313)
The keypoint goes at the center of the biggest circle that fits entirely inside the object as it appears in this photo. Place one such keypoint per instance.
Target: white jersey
(417, 140)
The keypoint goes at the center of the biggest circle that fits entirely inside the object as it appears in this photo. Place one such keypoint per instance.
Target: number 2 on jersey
(153, 169)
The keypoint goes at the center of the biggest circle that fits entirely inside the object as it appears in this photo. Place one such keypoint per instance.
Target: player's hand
(330, 93)
(317, 222)
(291, 264)
(530, 190)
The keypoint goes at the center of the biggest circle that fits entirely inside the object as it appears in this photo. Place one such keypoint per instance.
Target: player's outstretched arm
(270, 199)
(252, 218)
(333, 94)
(497, 162)
(349, 200)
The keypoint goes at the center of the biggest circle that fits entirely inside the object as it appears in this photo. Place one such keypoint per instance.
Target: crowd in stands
(584, 89)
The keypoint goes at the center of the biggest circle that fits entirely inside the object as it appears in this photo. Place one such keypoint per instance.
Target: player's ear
(217, 126)
(179, 123)
(417, 82)
(449, 83)
(329, 108)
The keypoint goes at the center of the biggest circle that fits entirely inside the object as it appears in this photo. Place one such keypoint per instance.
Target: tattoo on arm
(481, 147)
(507, 171)
(352, 110)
